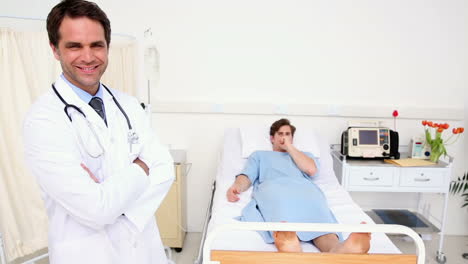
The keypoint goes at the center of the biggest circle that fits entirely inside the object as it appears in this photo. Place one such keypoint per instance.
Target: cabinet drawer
(421, 178)
(371, 176)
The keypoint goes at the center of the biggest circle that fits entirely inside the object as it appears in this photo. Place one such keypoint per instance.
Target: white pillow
(258, 138)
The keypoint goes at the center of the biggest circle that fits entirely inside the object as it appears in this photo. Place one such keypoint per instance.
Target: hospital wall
(320, 63)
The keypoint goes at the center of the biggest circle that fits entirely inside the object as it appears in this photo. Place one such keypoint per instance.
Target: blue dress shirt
(85, 96)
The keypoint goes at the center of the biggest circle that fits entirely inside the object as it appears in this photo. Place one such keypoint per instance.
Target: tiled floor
(190, 251)
(454, 246)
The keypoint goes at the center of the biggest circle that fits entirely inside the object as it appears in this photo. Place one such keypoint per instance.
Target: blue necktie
(98, 105)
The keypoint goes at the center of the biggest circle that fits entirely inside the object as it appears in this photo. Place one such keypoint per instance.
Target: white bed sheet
(231, 163)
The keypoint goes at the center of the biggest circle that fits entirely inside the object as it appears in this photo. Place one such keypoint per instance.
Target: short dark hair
(279, 123)
(75, 9)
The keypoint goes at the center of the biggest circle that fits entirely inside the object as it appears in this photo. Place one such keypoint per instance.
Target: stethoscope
(132, 135)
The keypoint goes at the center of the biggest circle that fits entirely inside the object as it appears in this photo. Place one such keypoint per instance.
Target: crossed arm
(137, 161)
(135, 190)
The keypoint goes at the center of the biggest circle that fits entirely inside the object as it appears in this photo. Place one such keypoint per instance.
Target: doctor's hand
(233, 193)
(140, 163)
(91, 175)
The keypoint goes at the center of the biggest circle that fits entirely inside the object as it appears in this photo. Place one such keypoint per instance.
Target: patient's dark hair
(75, 9)
(278, 124)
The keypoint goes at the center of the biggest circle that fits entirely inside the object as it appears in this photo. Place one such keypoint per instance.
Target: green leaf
(460, 186)
(428, 137)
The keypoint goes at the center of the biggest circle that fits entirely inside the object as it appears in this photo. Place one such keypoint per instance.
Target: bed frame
(199, 259)
(231, 257)
(208, 256)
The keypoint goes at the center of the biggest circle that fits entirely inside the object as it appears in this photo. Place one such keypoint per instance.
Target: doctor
(101, 170)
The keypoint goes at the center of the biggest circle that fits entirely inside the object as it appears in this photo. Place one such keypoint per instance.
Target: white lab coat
(107, 222)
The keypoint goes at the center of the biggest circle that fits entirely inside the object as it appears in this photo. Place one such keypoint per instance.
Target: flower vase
(435, 156)
(436, 143)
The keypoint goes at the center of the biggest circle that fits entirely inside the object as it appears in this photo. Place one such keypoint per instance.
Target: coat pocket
(95, 248)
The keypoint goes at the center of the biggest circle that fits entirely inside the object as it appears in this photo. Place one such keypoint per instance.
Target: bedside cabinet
(171, 215)
(377, 176)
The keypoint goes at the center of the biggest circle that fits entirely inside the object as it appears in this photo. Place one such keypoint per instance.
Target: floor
(454, 247)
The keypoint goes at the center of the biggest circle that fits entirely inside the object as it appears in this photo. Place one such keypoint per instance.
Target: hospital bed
(227, 240)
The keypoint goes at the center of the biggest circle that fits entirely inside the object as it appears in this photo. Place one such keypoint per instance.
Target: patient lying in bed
(284, 192)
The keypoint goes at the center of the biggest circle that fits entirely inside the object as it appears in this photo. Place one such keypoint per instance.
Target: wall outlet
(217, 108)
(281, 109)
(333, 110)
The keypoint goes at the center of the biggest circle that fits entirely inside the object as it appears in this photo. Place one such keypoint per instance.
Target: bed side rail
(367, 228)
(205, 225)
(256, 257)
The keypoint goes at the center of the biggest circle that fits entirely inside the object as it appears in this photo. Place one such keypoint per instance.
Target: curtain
(121, 71)
(27, 69)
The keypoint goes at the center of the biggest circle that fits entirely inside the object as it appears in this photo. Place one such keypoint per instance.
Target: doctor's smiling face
(82, 50)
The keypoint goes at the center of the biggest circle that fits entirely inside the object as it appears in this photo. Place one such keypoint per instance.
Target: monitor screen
(368, 137)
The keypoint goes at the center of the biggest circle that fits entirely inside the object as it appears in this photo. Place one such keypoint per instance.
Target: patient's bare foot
(287, 241)
(358, 243)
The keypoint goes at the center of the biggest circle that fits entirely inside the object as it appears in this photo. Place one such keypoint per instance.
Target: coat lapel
(118, 129)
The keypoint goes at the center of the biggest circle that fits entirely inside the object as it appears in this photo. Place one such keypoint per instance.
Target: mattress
(231, 163)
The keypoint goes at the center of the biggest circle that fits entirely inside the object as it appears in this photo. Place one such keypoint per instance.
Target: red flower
(395, 113)
(437, 143)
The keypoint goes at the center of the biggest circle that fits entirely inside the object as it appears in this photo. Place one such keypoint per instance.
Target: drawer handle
(422, 180)
(371, 179)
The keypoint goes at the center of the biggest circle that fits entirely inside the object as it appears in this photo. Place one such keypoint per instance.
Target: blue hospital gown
(282, 192)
